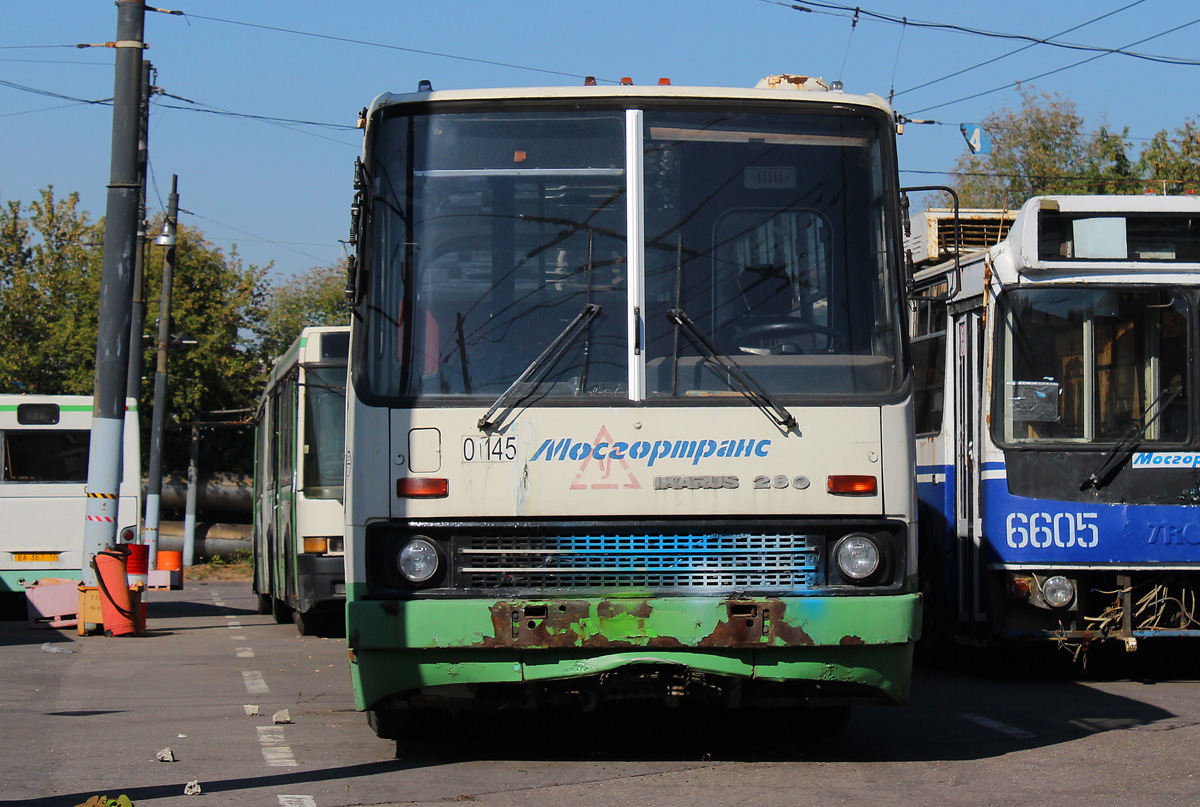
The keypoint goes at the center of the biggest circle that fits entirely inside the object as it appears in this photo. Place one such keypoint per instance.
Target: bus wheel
(281, 611)
(264, 604)
(386, 723)
(304, 622)
(826, 722)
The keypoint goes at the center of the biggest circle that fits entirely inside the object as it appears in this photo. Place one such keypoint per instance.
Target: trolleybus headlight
(857, 556)
(1058, 591)
(418, 560)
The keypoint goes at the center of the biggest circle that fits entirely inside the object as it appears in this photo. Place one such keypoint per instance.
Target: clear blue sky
(281, 192)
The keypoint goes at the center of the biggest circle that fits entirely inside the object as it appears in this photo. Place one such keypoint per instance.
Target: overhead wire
(1013, 52)
(386, 46)
(984, 33)
(1056, 70)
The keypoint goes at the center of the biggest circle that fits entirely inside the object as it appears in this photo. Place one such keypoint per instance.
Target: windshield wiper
(542, 363)
(1132, 439)
(755, 392)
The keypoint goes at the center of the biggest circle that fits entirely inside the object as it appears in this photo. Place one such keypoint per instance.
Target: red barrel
(137, 562)
(139, 557)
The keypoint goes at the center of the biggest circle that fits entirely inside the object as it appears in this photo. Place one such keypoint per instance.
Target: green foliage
(1042, 148)
(317, 297)
(1045, 148)
(105, 801)
(1172, 164)
(51, 261)
(220, 305)
(49, 287)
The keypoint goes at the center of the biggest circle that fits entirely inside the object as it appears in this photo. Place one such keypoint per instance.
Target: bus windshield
(494, 231)
(325, 432)
(1086, 365)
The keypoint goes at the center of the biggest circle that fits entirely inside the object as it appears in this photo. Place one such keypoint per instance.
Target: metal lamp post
(157, 424)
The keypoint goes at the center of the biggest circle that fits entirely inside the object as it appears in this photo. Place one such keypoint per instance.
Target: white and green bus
(44, 441)
(630, 409)
(299, 447)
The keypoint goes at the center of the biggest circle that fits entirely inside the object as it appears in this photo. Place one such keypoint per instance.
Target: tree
(49, 288)
(50, 267)
(1042, 148)
(1171, 165)
(317, 297)
(218, 304)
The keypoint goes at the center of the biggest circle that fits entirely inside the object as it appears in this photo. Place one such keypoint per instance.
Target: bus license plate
(493, 448)
(35, 557)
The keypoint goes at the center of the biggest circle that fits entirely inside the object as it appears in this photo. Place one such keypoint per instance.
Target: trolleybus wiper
(755, 392)
(1132, 439)
(539, 365)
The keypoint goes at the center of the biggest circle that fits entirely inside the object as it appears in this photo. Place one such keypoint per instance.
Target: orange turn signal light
(422, 487)
(852, 485)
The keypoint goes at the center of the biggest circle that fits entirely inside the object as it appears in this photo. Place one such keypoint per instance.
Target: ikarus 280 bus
(629, 411)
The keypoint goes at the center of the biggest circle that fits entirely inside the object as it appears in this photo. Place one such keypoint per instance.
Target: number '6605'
(1042, 530)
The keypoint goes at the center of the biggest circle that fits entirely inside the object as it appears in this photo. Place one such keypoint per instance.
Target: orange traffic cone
(115, 605)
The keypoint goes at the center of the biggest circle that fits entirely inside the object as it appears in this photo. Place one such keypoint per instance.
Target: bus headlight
(418, 560)
(857, 557)
(1058, 591)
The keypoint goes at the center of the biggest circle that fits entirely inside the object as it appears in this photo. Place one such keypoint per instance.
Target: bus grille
(710, 562)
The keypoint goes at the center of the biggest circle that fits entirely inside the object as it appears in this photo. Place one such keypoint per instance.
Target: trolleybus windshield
(1084, 365)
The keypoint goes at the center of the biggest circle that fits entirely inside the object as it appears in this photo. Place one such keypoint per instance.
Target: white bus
(629, 413)
(299, 469)
(44, 442)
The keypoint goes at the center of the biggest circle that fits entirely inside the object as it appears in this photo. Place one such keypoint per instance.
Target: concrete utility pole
(116, 286)
(158, 424)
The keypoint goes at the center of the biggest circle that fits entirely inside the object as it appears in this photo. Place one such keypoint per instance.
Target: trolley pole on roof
(116, 286)
(158, 424)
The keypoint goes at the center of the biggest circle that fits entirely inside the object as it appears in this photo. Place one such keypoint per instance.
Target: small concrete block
(192, 788)
(282, 716)
(52, 603)
(166, 755)
(251, 710)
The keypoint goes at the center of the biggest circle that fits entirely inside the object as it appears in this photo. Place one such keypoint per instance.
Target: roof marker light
(664, 82)
(626, 82)
(589, 81)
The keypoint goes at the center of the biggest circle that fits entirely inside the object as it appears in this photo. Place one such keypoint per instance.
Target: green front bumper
(402, 646)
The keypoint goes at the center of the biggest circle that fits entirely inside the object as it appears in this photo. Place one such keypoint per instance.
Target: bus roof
(767, 90)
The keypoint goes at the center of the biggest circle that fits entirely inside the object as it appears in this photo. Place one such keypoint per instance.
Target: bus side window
(929, 363)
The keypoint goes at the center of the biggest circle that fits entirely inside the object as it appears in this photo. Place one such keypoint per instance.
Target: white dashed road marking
(274, 748)
(255, 684)
(297, 801)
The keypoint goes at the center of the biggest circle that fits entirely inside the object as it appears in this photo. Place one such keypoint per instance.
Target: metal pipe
(189, 516)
